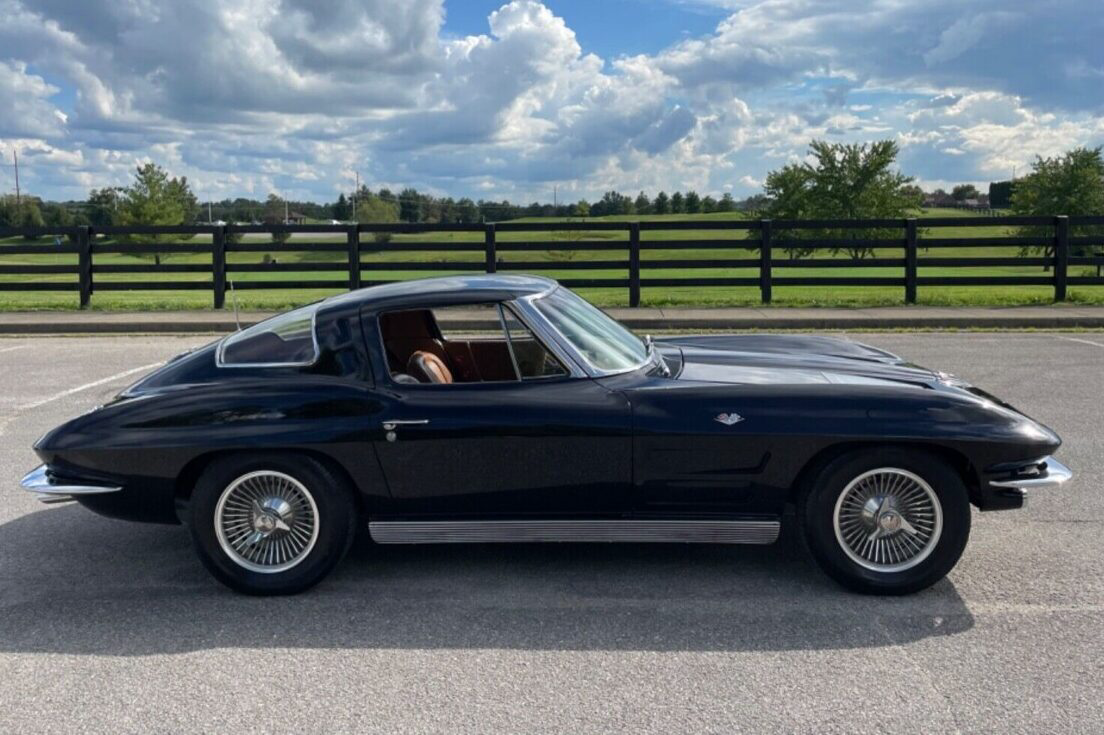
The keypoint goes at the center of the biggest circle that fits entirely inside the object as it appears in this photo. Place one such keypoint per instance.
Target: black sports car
(507, 408)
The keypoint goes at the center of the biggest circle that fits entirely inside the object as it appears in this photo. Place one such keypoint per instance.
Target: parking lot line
(1082, 341)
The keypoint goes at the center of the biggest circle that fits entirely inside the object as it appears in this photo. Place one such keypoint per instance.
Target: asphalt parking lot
(106, 625)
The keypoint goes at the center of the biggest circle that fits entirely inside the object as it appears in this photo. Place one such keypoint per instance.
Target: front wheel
(270, 524)
(886, 521)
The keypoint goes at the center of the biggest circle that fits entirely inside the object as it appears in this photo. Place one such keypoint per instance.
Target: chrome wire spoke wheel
(888, 520)
(266, 521)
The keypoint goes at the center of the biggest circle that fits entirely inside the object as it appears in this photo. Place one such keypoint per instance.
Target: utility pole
(285, 212)
(356, 193)
(210, 219)
(15, 159)
(555, 198)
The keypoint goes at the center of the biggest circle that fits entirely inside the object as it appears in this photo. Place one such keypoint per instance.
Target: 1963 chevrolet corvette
(530, 415)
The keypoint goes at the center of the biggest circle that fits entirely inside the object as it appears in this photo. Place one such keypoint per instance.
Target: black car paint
(641, 443)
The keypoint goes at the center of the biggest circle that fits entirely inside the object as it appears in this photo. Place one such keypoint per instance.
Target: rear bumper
(1008, 493)
(39, 482)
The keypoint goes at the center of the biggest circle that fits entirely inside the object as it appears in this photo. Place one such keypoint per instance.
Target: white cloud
(244, 96)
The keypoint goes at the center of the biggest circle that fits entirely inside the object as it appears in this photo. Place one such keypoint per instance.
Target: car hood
(788, 359)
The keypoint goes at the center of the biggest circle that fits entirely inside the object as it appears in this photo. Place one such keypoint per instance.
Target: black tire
(817, 512)
(335, 519)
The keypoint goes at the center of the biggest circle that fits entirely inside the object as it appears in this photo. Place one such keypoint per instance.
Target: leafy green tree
(727, 203)
(662, 203)
(22, 213)
(692, 204)
(962, 192)
(581, 208)
(846, 181)
(156, 199)
(1070, 184)
(678, 204)
(642, 205)
(708, 204)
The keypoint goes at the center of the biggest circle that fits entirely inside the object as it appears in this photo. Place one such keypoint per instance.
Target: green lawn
(555, 263)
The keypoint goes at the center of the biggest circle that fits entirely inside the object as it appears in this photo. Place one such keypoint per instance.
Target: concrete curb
(642, 319)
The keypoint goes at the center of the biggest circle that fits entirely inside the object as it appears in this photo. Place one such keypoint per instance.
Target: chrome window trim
(590, 369)
(219, 363)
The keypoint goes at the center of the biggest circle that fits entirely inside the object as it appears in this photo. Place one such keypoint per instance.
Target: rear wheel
(886, 521)
(271, 524)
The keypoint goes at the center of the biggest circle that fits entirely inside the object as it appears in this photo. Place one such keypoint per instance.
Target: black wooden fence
(763, 247)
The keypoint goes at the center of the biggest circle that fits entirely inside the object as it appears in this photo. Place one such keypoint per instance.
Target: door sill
(591, 531)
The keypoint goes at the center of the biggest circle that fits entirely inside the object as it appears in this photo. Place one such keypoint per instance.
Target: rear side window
(284, 340)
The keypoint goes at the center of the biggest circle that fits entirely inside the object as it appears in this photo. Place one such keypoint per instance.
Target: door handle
(391, 424)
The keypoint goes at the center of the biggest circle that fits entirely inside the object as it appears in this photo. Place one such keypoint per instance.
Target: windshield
(604, 343)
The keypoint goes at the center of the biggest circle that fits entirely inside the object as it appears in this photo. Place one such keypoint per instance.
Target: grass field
(553, 264)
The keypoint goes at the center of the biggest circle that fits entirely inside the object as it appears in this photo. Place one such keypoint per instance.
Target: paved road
(112, 626)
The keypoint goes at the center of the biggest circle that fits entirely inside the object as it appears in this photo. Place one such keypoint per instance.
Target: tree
(962, 192)
(727, 203)
(692, 203)
(375, 210)
(275, 210)
(341, 209)
(1070, 184)
(642, 205)
(581, 208)
(1000, 194)
(661, 205)
(410, 206)
(156, 199)
(708, 204)
(103, 205)
(678, 204)
(466, 211)
(22, 213)
(847, 181)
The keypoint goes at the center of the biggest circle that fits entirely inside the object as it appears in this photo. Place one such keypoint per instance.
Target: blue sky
(510, 99)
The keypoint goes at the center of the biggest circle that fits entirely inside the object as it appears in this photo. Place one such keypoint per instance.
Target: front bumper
(1007, 493)
(49, 490)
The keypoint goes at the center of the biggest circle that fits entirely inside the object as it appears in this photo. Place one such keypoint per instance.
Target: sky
(513, 100)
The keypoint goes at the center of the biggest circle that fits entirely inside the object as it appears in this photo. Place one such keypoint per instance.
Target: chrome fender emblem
(728, 419)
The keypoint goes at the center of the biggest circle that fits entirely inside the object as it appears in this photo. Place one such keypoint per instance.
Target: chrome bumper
(1008, 494)
(37, 482)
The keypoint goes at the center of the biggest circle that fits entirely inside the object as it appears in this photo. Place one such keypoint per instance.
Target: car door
(555, 445)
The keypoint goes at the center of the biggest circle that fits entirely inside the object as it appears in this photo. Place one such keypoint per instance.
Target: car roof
(445, 289)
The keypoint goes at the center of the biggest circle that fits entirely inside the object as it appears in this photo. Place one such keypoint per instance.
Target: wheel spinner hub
(888, 519)
(266, 521)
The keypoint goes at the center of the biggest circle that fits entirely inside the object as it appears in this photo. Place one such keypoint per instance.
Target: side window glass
(476, 343)
(533, 360)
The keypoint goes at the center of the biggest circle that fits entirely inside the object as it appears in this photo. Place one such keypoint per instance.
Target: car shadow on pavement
(74, 583)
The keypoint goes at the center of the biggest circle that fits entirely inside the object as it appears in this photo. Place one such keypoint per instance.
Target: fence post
(1061, 256)
(84, 264)
(218, 265)
(352, 237)
(910, 260)
(489, 240)
(765, 260)
(634, 264)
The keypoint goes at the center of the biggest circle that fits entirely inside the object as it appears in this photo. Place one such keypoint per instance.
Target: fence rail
(759, 245)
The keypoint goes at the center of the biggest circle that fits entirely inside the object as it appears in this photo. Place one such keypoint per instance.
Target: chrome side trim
(1056, 474)
(627, 531)
(36, 481)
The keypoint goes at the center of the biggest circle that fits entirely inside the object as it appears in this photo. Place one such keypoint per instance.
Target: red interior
(469, 361)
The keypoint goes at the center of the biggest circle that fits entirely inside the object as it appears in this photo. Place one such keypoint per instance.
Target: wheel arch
(191, 472)
(809, 471)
